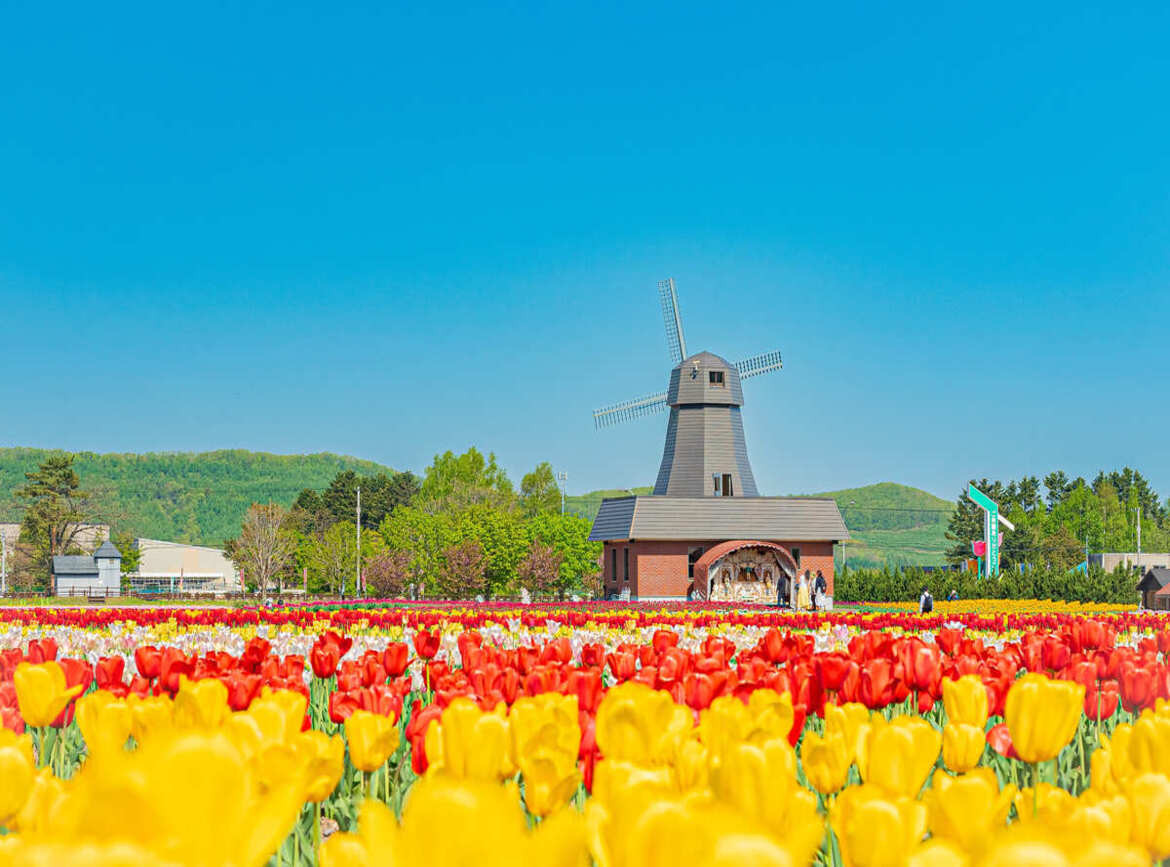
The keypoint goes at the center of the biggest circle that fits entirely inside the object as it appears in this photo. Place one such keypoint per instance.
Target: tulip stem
(317, 831)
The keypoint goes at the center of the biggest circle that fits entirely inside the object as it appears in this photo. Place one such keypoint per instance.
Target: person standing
(820, 589)
(803, 602)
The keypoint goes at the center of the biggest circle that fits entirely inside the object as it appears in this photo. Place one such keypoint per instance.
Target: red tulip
(342, 705)
(42, 650)
(242, 689)
(109, 671)
(1000, 740)
(148, 661)
(396, 658)
(426, 644)
(1101, 702)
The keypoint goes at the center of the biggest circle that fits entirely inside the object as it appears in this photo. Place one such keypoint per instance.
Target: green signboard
(990, 529)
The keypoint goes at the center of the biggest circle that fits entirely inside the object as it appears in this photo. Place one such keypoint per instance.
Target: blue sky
(389, 230)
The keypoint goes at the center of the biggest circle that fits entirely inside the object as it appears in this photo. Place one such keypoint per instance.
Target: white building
(176, 567)
(98, 574)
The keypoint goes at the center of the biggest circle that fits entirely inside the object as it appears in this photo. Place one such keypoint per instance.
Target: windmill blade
(629, 409)
(675, 341)
(765, 362)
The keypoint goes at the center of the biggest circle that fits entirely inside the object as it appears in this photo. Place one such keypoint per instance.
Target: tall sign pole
(991, 522)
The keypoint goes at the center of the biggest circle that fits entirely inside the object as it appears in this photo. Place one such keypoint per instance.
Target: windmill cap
(704, 378)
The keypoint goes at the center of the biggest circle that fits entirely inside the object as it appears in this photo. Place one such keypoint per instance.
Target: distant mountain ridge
(197, 497)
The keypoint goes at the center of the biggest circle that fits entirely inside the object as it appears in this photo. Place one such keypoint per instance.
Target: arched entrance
(744, 570)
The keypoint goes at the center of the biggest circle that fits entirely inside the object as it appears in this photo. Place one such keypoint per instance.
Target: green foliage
(586, 505)
(184, 497)
(1102, 516)
(454, 481)
(905, 585)
(539, 491)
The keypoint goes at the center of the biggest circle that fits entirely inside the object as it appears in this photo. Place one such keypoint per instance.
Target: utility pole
(358, 560)
(562, 478)
(1139, 529)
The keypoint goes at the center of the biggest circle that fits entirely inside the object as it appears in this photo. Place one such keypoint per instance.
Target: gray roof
(74, 564)
(1156, 577)
(792, 519)
(107, 550)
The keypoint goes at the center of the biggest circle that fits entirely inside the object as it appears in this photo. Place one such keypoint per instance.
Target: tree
(461, 570)
(540, 570)
(568, 536)
(381, 493)
(388, 574)
(454, 482)
(265, 546)
(539, 491)
(56, 512)
(127, 546)
(333, 558)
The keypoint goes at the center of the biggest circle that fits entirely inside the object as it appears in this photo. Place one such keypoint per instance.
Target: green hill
(586, 505)
(894, 524)
(184, 496)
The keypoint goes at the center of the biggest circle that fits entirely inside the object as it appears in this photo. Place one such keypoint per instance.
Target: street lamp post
(562, 477)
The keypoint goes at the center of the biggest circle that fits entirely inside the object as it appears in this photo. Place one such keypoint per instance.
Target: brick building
(656, 546)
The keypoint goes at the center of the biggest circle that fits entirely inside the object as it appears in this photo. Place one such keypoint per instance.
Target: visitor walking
(803, 603)
(925, 602)
(820, 590)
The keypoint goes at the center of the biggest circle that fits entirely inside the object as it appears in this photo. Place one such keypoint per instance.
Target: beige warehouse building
(176, 567)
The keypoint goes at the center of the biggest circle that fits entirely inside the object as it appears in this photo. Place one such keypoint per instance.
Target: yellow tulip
(371, 738)
(36, 814)
(638, 724)
(201, 704)
(1044, 803)
(965, 700)
(692, 767)
(875, 830)
(900, 754)
(150, 716)
(772, 715)
(1146, 745)
(491, 832)
(549, 782)
(326, 763)
(41, 692)
(962, 746)
(531, 716)
(968, 810)
(1042, 715)
(851, 720)
(1149, 797)
(825, 760)
(759, 782)
(105, 722)
(937, 853)
(475, 745)
(17, 771)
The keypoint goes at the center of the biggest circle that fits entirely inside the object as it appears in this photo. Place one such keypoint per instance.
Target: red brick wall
(660, 568)
(814, 556)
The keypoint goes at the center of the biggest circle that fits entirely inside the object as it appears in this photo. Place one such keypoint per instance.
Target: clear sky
(390, 229)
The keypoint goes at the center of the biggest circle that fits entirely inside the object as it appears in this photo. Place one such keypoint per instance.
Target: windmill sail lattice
(704, 454)
(675, 342)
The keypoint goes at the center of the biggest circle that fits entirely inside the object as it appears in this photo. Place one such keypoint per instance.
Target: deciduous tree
(265, 546)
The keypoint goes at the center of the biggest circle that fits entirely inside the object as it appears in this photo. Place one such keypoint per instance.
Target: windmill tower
(704, 454)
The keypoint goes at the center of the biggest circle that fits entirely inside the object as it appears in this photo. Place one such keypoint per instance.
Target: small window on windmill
(715, 378)
(727, 489)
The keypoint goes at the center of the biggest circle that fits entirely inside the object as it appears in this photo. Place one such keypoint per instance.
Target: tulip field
(621, 735)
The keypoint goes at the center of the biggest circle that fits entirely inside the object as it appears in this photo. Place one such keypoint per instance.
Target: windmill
(704, 454)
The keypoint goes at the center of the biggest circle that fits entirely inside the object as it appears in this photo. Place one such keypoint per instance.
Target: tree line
(1118, 587)
(1059, 519)
(460, 531)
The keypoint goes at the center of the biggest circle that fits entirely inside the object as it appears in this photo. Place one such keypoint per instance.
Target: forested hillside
(894, 525)
(183, 496)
